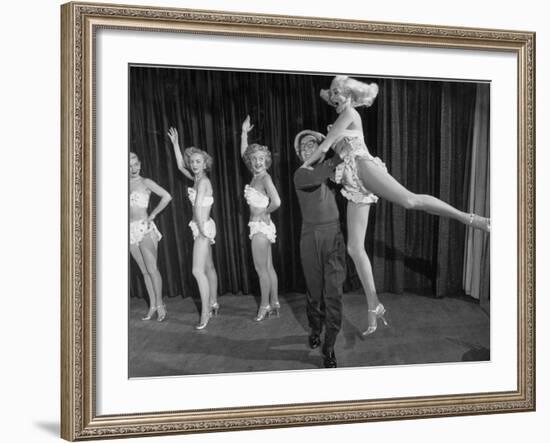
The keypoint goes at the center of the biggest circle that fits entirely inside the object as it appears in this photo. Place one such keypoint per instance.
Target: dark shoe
(314, 341)
(329, 359)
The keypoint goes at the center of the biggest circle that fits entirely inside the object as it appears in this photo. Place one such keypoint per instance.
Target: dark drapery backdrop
(422, 129)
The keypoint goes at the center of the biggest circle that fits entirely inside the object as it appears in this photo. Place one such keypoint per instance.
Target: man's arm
(311, 178)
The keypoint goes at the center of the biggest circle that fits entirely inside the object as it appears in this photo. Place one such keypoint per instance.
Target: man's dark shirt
(316, 199)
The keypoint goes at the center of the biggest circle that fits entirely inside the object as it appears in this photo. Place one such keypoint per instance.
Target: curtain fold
(457, 124)
(418, 128)
(477, 251)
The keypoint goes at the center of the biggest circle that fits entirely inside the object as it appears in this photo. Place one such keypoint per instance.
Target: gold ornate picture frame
(80, 23)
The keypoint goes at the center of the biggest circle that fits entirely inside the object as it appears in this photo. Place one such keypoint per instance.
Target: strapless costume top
(350, 143)
(140, 199)
(207, 200)
(255, 198)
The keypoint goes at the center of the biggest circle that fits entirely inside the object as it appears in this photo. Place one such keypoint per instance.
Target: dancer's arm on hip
(164, 195)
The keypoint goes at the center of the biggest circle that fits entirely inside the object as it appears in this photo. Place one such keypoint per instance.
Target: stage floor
(422, 330)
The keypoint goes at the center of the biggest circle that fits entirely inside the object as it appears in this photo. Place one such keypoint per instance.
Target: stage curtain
(421, 129)
(425, 136)
(477, 251)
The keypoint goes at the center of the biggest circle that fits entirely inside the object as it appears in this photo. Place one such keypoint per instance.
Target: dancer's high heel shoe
(379, 312)
(150, 313)
(275, 307)
(214, 309)
(263, 312)
(203, 322)
(161, 309)
(478, 222)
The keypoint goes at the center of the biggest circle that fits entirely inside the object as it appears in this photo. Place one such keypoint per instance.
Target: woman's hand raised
(247, 127)
(173, 134)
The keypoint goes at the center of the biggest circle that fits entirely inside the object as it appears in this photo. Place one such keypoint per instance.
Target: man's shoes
(314, 341)
(329, 358)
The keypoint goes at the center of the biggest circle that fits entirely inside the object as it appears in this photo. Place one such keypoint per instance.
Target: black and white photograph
(283, 221)
(234, 221)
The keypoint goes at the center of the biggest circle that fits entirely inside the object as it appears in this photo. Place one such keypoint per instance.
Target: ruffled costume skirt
(260, 227)
(209, 229)
(351, 149)
(140, 228)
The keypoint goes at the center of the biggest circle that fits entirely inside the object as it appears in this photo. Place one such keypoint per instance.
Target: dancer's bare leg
(138, 257)
(200, 256)
(149, 247)
(274, 286)
(381, 183)
(212, 277)
(260, 250)
(357, 221)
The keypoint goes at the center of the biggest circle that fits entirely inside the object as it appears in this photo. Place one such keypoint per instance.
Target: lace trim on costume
(346, 173)
(209, 229)
(208, 200)
(260, 227)
(255, 198)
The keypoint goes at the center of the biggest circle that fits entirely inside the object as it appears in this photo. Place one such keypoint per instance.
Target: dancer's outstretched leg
(381, 183)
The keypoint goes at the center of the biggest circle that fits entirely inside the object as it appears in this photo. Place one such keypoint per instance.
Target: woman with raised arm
(263, 198)
(144, 235)
(199, 162)
(365, 177)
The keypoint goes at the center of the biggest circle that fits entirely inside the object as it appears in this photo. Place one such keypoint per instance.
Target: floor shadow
(291, 349)
(423, 330)
(297, 305)
(418, 265)
(477, 354)
(350, 333)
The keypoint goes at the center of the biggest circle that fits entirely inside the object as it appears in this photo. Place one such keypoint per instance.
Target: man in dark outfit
(322, 247)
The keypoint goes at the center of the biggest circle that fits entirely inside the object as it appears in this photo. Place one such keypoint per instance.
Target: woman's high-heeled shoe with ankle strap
(478, 222)
(379, 312)
(214, 309)
(263, 312)
(203, 322)
(275, 307)
(161, 309)
(150, 313)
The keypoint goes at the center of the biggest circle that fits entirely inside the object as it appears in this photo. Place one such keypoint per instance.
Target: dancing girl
(365, 177)
(263, 198)
(202, 226)
(144, 235)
